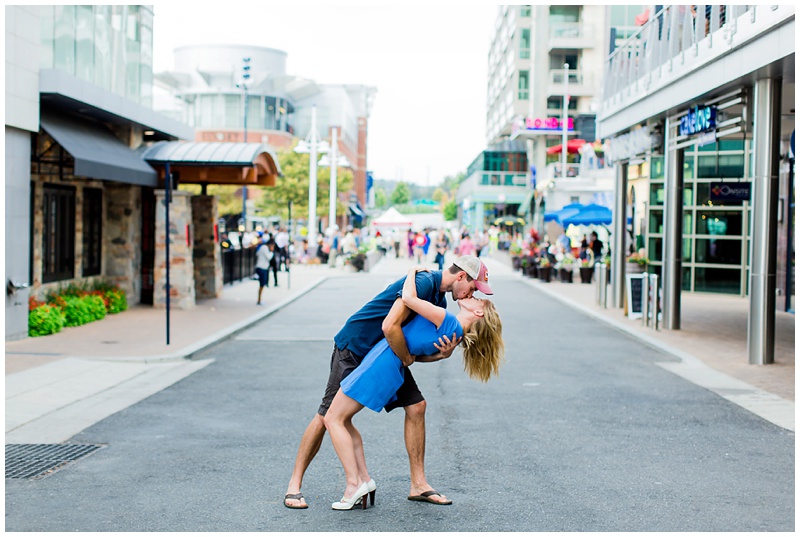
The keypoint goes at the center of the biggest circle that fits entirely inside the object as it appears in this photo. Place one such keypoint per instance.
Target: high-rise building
(525, 89)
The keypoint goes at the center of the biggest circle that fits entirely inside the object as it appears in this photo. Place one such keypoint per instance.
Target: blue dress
(376, 380)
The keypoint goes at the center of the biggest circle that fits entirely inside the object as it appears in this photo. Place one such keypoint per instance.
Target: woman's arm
(433, 313)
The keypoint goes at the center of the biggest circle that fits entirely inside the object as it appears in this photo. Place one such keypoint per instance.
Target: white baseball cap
(476, 270)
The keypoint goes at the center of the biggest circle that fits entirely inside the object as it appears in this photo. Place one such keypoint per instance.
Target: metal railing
(575, 76)
(674, 34)
(570, 30)
(238, 265)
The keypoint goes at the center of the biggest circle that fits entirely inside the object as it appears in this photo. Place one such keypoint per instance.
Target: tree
(380, 198)
(450, 210)
(440, 196)
(401, 194)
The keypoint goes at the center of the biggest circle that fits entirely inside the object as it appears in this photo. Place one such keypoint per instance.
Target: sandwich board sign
(636, 295)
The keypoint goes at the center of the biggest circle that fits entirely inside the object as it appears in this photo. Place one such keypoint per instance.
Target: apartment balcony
(678, 56)
(581, 84)
(487, 187)
(570, 35)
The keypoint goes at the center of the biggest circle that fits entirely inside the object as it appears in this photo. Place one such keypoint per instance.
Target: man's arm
(446, 346)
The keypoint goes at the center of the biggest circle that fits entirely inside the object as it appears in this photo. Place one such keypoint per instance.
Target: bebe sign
(698, 119)
(547, 124)
(629, 145)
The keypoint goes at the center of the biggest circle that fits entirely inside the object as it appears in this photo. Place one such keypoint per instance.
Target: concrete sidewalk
(58, 385)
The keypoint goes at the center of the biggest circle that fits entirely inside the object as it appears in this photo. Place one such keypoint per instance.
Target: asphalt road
(581, 432)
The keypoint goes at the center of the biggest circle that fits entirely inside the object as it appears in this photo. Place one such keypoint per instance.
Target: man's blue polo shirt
(363, 329)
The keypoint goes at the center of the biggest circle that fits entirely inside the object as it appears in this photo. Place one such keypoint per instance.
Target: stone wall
(122, 238)
(207, 255)
(181, 273)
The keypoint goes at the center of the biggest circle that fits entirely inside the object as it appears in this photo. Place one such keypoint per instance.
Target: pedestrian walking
(374, 383)
(263, 259)
(383, 316)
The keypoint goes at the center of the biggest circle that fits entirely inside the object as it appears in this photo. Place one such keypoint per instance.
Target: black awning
(98, 154)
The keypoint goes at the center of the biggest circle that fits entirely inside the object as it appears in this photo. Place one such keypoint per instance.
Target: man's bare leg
(309, 447)
(415, 445)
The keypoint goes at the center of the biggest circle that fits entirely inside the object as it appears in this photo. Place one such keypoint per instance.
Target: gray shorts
(343, 362)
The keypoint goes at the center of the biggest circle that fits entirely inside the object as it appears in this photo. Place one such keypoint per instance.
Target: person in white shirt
(264, 254)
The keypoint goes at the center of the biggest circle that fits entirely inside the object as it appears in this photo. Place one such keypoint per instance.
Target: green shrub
(77, 311)
(117, 301)
(44, 320)
(96, 306)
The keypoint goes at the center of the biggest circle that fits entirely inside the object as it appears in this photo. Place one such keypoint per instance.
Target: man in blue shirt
(384, 316)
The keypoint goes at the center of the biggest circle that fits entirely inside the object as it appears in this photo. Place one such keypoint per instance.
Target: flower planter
(545, 274)
(586, 274)
(516, 262)
(634, 268)
(565, 275)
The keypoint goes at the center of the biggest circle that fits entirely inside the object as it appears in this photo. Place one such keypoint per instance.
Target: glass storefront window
(687, 222)
(656, 193)
(688, 194)
(717, 280)
(64, 42)
(686, 280)
(654, 249)
(686, 250)
(718, 251)
(713, 166)
(688, 167)
(657, 167)
(722, 223)
(707, 166)
(656, 222)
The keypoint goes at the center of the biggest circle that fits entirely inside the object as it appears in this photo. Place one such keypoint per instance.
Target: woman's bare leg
(339, 424)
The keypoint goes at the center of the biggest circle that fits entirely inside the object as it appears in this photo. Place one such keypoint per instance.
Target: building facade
(698, 116)
(77, 192)
(207, 90)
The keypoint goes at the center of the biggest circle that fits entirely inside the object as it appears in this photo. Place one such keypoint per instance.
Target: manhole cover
(34, 461)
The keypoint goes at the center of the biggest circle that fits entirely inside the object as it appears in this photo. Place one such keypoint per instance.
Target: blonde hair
(483, 344)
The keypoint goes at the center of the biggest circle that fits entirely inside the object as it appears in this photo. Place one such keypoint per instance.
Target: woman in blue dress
(376, 380)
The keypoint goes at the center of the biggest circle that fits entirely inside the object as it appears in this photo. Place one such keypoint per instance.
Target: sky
(428, 63)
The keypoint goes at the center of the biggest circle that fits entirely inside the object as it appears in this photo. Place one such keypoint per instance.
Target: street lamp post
(313, 146)
(334, 160)
(564, 123)
(243, 85)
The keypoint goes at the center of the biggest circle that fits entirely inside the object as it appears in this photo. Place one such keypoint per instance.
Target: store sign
(730, 191)
(630, 145)
(698, 119)
(547, 124)
(706, 138)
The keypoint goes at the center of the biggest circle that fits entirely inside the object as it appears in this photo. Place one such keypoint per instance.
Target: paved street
(581, 432)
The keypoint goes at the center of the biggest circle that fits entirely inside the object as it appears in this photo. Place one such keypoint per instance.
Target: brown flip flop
(426, 497)
(298, 496)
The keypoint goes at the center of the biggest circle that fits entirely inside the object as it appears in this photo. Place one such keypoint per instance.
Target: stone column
(122, 238)
(207, 256)
(181, 265)
(618, 250)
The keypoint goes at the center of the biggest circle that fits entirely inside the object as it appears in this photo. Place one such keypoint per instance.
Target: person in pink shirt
(466, 247)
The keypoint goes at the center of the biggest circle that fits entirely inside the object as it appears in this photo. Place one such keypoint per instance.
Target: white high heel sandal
(359, 495)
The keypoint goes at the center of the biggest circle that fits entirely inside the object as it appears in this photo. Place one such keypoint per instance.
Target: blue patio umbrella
(565, 212)
(589, 215)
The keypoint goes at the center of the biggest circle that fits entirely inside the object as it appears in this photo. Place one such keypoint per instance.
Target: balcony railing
(570, 35)
(676, 40)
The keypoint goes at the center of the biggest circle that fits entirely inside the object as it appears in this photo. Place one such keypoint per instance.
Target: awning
(98, 154)
(590, 215)
(216, 162)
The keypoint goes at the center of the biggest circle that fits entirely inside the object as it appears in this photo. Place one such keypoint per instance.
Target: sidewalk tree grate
(34, 461)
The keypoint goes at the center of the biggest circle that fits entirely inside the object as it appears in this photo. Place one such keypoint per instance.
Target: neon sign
(698, 119)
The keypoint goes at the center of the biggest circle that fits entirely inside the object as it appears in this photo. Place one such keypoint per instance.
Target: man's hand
(445, 346)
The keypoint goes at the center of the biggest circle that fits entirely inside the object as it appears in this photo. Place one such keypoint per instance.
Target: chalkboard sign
(636, 298)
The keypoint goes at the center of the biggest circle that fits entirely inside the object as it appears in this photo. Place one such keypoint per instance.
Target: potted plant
(515, 251)
(545, 269)
(565, 268)
(636, 263)
(586, 270)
